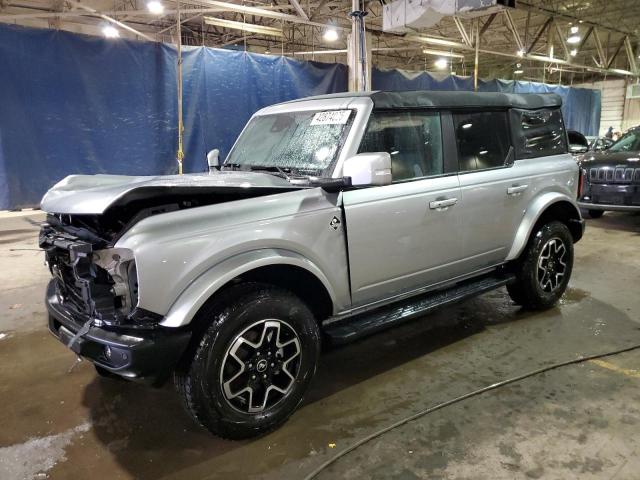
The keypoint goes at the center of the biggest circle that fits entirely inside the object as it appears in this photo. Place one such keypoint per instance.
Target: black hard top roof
(425, 98)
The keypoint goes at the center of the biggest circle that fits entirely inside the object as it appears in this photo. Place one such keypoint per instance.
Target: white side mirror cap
(213, 159)
(368, 168)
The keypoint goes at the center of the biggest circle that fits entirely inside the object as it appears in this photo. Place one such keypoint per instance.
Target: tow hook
(80, 333)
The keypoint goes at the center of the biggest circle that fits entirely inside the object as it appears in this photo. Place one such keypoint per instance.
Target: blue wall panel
(224, 88)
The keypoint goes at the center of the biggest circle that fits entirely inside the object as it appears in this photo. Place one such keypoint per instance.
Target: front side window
(630, 142)
(482, 139)
(305, 143)
(412, 139)
(539, 133)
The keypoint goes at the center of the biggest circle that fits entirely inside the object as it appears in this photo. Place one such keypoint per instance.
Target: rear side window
(483, 140)
(412, 139)
(538, 133)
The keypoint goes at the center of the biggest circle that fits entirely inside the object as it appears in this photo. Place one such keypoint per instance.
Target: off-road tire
(527, 290)
(198, 377)
(596, 213)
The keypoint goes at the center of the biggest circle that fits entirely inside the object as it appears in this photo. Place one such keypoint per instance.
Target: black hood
(608, 158)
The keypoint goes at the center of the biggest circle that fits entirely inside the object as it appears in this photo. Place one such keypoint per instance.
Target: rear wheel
(253, 363)
(544, 269)
(596, 213)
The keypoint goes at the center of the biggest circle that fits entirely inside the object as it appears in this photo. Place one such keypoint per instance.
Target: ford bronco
(332, 217)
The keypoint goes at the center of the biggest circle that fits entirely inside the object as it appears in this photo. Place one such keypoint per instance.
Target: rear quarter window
(538, 133)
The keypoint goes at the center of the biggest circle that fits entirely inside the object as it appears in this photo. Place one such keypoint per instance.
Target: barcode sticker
(331, 117)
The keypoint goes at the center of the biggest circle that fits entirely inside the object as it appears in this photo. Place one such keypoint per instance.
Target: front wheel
(544, 269)
(253, 364)
(596, 213)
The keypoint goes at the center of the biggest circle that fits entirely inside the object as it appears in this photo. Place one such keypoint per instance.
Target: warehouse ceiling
(526, 42)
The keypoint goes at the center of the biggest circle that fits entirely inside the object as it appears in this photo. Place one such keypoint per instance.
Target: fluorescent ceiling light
(440, 53)
(330, 35)
(155, 7)
(518, 72)
(574, 39)
(573, 52)
(441, 63)
(110, 31)
(247, 27)
(437, 41)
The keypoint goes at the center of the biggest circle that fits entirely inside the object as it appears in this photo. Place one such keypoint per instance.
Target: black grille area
(620, 175)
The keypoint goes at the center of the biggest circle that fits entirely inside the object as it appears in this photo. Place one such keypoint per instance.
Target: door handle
(442, 204)
(516, 189)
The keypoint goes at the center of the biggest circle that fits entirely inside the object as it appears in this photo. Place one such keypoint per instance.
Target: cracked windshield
(305, 143)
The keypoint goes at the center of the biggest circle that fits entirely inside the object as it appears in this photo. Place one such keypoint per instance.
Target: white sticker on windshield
(331, 117)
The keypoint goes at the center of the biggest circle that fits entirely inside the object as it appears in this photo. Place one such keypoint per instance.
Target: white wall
(613, 99)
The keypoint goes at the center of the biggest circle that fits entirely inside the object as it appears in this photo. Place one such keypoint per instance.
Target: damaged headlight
(120, 264)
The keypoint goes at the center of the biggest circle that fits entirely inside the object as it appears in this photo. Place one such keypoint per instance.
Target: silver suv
(331, 218)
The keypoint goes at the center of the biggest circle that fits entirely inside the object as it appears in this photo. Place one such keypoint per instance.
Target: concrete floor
(577, 422)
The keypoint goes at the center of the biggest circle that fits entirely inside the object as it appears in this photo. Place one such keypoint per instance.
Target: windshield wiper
(234, 166)
(279, 171)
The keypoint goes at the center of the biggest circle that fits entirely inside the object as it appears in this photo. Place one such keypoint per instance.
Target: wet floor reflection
(144, 433)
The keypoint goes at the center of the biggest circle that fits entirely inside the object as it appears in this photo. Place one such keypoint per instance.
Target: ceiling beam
(616, 51)
(246, 27)
(487, 23)
(630, 55)
(514, 29)
(463, 31)
(543, 28)
(601, 55)
(82, 6)
(260, 12)
(299, 9)
(525, 5)
(565, 49)
(83, 13)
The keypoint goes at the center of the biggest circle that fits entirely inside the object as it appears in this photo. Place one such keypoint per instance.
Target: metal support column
(180, 153)
(475, 64)
(358, 51)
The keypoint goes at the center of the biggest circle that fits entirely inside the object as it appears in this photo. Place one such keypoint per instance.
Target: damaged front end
(93, 296)
(92, 280)
(92, 302)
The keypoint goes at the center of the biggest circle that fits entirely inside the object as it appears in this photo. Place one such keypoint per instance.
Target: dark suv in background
(610, 179)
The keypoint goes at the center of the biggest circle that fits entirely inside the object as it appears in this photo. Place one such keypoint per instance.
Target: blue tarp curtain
(580, 106)
(79, 104)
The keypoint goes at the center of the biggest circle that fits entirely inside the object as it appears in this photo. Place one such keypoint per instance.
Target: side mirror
(368, 169)
(578, 149)
(578, 143)
(213, 159)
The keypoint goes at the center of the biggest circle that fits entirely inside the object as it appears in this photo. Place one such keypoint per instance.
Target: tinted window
(538, 133)
(413, 139)
(483, 140)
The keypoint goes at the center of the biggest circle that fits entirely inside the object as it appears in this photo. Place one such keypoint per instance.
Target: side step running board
(351, 328)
